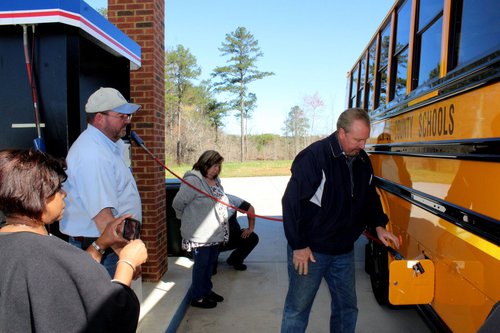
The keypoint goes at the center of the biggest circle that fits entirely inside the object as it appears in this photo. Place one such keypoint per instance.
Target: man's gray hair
(347, 117)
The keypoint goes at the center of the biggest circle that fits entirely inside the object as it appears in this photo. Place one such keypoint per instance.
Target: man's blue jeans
(204, 260)
(338, 272)
(108, 260)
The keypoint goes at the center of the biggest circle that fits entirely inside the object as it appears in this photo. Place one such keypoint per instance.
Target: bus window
(354, 85)
(403, 26)
(362, 72)
(428, 10)
(401, 74)
(382, 88)
(471, 36)
(401, 50)
(382, 69)
(371, 75)
(384, 50)
(428, 41)
(430, 53)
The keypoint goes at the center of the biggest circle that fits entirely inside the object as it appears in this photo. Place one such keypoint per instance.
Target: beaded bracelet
(128, 262)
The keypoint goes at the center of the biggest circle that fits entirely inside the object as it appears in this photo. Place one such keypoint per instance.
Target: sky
(310, 45)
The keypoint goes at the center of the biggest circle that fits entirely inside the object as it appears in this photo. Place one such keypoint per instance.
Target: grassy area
(245, 169)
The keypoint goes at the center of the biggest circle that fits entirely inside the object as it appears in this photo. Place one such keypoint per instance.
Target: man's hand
(112, 234)
(301, 259)
(385, 236)
(102, 219)
(110, 237)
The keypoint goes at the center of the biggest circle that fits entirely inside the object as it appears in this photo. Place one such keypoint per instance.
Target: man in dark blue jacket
(329, 200)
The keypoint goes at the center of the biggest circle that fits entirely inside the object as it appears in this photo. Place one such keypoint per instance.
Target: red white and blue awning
(75, 13)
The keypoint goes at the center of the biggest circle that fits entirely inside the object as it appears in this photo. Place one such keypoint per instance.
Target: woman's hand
(135, 251)
(131, 257)
(251, 222)
(246, 232)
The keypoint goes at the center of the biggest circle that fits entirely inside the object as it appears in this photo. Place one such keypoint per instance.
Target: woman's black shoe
(238, 267)
(205, 303)
(214, 297)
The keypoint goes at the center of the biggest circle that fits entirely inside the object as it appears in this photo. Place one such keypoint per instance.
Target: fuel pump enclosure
(73, 51)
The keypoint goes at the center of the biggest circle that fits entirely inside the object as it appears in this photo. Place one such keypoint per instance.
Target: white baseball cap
(109, 99)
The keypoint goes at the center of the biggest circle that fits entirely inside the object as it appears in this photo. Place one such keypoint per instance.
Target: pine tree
(240, 70)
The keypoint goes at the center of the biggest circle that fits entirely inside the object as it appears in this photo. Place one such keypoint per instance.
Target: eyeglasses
(121, 116)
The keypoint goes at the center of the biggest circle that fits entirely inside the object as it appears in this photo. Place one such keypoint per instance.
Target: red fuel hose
(38, 142)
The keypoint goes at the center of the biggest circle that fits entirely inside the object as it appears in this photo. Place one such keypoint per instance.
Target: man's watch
(98, 248)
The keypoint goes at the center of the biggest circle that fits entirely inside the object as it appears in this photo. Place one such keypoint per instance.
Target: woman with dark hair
(46, 284)
(203, 224)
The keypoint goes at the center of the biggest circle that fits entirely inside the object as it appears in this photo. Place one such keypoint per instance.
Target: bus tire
(368, 258)
(379, 275)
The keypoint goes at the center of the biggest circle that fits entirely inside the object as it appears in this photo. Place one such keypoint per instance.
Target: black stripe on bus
(475, 223)
(472, 149)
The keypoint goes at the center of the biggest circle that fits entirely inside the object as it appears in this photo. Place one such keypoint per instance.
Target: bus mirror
(411, 282)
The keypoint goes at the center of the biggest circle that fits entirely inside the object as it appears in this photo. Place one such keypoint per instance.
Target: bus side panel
(468, 184)
(472, 114)
(466, 277)
(466, 281)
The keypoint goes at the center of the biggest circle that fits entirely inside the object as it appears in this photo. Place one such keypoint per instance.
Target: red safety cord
(141, 144)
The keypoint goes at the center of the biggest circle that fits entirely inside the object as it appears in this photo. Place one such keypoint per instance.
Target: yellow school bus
(429, 79)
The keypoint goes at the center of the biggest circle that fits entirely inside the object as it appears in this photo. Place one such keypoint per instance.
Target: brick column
(143, 21)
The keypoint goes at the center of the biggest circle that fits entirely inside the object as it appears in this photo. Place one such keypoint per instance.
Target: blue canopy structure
(75, 13)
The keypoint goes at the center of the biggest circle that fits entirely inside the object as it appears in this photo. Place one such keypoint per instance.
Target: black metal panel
(486, 150)
(68, 68)
(50, 64)
(16, 103)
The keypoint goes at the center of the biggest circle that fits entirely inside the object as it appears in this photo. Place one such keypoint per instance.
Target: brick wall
(143, 21)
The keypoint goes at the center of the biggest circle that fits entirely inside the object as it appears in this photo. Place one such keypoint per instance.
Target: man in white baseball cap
(100, 186)
(109, 99)
(109, 102)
